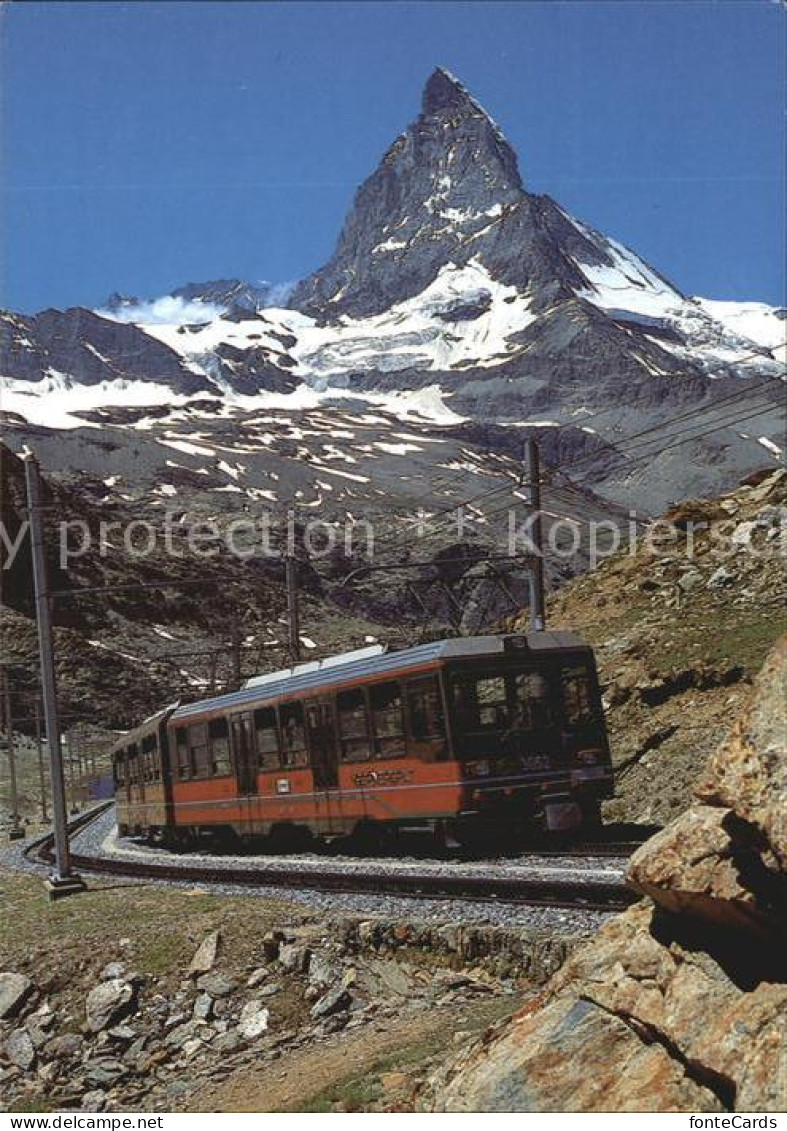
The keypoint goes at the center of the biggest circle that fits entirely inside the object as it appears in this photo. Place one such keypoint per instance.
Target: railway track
(584, 893)
(614, 849)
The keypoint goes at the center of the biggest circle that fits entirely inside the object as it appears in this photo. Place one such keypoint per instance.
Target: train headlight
(588, 757)
(478, 769)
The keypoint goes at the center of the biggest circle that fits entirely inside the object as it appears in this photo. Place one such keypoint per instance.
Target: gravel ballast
(99, 839)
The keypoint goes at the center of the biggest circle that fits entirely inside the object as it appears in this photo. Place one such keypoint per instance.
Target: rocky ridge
(230, 295)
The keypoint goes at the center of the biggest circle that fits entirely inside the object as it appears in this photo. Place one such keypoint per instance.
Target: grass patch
(70, 940)
(358, 1093)
(361, 1091)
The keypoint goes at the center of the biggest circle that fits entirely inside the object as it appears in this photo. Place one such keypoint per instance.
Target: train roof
(312, 676)
(148, 726)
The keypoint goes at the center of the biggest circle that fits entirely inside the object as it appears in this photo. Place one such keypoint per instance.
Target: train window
(199, 755)
(149, 758)
(388, 720)
(293, 735)
(131, 757)
(577, 701)
(425, 706)
(492, 701)
(353, 720)
(201, 762)
(532, 702)
(183, 752)
(481, 702)
(219, 747)
(512, 702)
(267, 737)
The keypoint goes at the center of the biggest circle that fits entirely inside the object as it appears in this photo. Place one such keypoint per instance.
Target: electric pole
(63, 880)
(72, 786)
(293, 619)
(40, 751)
(80, 762)
(537, 614)
(16, 832)
(236, 658)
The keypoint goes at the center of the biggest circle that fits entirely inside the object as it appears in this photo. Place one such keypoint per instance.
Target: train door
(136, 794)
(123, 781)
(166, 772)
(323, 751)
(322, 743)
(244, 756)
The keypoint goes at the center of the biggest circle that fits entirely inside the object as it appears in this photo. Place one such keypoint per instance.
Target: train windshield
(510, 712)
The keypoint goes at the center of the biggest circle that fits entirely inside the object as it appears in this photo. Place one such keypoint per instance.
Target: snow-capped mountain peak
(439, 192)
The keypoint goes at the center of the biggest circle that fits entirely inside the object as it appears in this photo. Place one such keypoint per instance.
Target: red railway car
(458, 736)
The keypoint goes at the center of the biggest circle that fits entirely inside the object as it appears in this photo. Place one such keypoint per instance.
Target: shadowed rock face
(724, 861)
(748, 774)
(680, 1003)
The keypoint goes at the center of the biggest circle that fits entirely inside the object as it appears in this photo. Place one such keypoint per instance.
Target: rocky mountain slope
(165, 625)
(455, 295)
(680, 629)
(167, 617)
(448, 265)
(679, 1004)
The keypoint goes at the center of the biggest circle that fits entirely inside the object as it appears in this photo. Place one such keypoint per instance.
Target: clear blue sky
(150, 144)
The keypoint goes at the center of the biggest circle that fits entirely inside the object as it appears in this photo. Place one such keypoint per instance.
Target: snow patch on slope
(709, 332)
(420, 333)
(56, 399)
(760, 323)
(194, 340)
(628, 285)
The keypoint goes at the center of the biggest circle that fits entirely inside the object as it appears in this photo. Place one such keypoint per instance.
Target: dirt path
(297, 1078)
